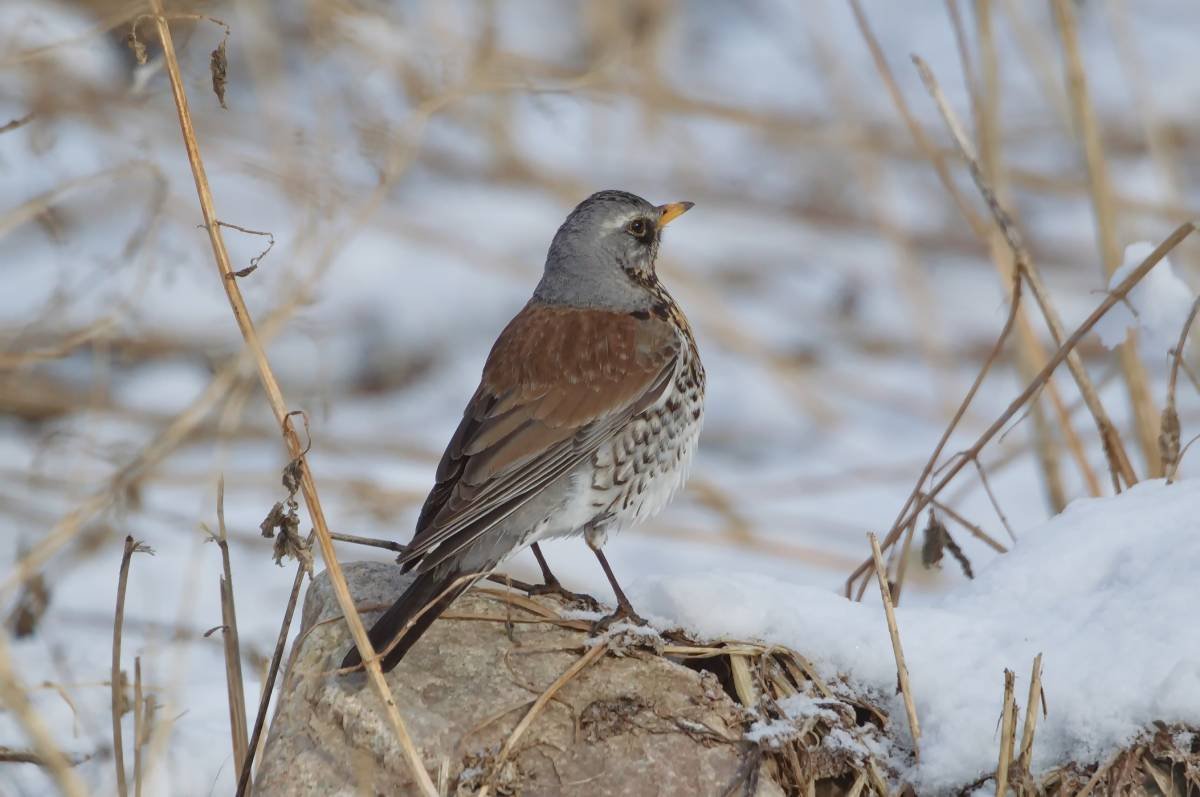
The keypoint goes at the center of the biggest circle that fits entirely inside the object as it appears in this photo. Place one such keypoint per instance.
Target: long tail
(435, 589)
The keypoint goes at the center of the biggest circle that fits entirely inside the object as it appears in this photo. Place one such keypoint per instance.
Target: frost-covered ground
(841, 305)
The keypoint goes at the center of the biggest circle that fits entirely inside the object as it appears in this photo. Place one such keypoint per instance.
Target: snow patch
(1157, 306)
(1105, 591)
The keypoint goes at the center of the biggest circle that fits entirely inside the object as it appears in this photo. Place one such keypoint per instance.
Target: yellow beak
(669, 212)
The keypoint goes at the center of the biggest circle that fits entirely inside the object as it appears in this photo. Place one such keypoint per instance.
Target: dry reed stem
(1032, 705)
(1068, 346)
(594, 653)
(235, 690)
(14, 696)
(1133, 370)
(973, 529)
(1030, 355)
(932, 152)
(1113, 446)
(268, 687)
(1007, 734)
(906, 517)
(139, 729)
(743, 680)
(279, 407)
(869, 173)
(987, 488)
(117, 682)
(1169, 436)
(151, 454)
(901, 668)
(982, 231)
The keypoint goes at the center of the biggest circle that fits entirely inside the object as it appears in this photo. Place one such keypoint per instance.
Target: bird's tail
(411, 615)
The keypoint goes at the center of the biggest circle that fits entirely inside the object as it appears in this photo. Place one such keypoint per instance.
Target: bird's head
(606, 249)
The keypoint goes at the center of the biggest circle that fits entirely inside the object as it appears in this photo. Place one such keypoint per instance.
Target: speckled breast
(637, 474)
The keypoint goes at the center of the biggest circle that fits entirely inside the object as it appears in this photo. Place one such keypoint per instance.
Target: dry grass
(72, 516)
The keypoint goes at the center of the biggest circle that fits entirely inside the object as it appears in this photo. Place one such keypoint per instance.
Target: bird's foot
(554, 587)
(624, 613)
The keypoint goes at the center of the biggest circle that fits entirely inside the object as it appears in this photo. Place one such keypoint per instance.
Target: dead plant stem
(1145, 415)
(117, 682)
(279, 407)
(901, 667)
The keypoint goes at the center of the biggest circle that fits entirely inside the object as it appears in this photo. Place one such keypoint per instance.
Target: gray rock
(631, 725)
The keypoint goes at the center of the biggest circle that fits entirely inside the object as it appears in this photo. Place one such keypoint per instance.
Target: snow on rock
(1107, 591)
(1158, 305)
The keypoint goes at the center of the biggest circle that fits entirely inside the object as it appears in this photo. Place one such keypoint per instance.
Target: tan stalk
(139, 725)
(1169, 439)
(117, 681)
(594, 653)
(235, 690)
(910, 708)
(1032, 706)
(1007, 734)
(1029, 351)
(279, 408)
(1136, 382)
(981, 230)
(1114, 449)
(15, 698)
(919, 500)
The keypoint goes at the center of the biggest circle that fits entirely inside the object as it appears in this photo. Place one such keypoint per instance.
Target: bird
(586, 419)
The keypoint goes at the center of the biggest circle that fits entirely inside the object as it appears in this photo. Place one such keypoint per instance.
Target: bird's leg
(552, 586)
(624, 609)
(549, 580)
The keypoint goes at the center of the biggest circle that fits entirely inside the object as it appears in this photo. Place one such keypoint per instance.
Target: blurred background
(411, 162)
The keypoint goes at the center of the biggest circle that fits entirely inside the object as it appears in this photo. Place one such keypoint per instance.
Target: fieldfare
(585, 419)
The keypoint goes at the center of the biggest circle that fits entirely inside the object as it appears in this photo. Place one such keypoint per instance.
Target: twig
(935, 156)
(982, 232)
(14, 697)
(595, 652)
(235, 690)
(1134, 372)
(139, 728)
(1114, 296)
(1030, 355)
(10, 756)
(907, 514)
(1169, 436)
(264, 699)
(13, 124)
(370, 542)
(1113, 447)
(280, 409)
(987, 488)
(901, 668)
(1007, 735)
(972, 528)
(154, 452)
(117, 681)
(1032, 705)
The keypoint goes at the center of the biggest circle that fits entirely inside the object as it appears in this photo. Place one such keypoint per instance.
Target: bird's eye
(638, 228)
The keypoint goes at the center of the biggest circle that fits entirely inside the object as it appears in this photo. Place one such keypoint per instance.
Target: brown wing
(558, 384)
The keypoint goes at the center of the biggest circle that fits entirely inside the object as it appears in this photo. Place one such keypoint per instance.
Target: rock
(633, 724)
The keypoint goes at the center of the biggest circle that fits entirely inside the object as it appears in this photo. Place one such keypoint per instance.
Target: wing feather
(558, 384)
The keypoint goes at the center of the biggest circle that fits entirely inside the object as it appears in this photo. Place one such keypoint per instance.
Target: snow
(796, 708)
(1158, 305)
(1106, 592)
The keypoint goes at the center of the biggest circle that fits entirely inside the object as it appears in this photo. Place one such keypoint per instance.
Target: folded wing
(559, 383)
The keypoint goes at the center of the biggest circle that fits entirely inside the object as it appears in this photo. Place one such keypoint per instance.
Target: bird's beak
(669, 212)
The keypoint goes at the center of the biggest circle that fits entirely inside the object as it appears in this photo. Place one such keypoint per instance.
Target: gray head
(603, 255)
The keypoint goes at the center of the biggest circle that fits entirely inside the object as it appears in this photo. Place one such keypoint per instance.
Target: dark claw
(623, 612)
(554, 587)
